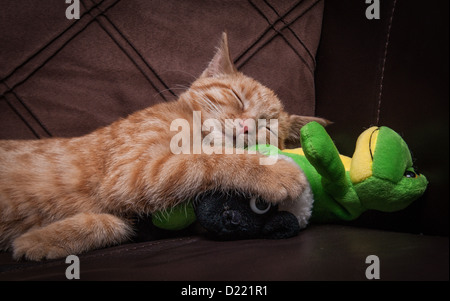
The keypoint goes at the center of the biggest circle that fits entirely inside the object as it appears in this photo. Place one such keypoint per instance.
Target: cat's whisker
(168, 89)
(219, 92)
(208, 105)
(213, 108)
(179, 86)
(209, 102)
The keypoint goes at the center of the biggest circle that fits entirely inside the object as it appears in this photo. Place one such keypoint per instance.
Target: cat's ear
(221, 64)
(296, 122)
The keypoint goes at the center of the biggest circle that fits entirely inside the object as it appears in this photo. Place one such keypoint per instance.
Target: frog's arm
(321, 152)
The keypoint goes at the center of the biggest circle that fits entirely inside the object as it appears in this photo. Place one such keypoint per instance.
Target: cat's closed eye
(238, 98)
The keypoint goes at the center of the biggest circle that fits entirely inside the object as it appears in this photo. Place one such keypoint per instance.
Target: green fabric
(391, 156)
(388, 189)
(334, 197)
(321, 152)
(175, 218)
(384, 195)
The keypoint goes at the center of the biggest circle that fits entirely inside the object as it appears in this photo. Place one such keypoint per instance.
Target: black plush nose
(231, 218)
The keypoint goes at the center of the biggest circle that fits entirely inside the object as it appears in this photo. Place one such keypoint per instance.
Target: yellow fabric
(347, 161)
(361, 165)
(299, 151)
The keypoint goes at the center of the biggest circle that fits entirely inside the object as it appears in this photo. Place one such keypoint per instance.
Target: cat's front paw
(30, 246)
(282, 181)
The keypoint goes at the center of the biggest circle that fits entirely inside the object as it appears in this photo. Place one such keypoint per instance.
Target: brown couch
(66, 77)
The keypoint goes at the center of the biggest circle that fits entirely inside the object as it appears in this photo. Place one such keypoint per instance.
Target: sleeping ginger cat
(63, 196)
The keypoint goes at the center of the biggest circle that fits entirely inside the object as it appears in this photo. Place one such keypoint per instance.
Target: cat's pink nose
(244, 127)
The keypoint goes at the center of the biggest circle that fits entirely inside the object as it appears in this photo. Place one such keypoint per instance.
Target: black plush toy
(229, 216)
(224, 216)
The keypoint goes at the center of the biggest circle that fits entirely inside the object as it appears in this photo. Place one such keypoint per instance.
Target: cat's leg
(71, 236)
(184, 176)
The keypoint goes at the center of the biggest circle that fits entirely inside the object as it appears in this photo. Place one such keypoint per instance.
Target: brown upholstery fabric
(63, 77)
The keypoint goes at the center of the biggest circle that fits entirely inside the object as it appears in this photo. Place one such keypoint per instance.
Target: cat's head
(222, 92)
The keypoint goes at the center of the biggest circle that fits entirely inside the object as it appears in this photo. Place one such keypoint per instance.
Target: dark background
(393, 72)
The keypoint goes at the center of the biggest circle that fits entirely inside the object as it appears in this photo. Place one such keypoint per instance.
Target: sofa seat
(320, 252)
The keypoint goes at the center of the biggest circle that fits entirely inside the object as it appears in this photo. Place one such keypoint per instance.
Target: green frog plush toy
(379, 176)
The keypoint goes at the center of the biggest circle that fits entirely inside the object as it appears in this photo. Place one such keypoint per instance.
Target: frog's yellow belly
(299, 151)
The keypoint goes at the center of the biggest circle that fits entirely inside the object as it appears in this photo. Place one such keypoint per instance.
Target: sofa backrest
(66, 77)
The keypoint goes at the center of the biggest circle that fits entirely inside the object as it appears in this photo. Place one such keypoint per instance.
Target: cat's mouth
(245, 138)
(242, 140)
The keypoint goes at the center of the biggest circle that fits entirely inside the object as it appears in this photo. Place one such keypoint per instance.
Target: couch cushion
(63, 77)
(327, 252)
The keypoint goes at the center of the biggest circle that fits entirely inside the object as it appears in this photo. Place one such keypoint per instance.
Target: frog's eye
(410, 174)
(258, 206)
